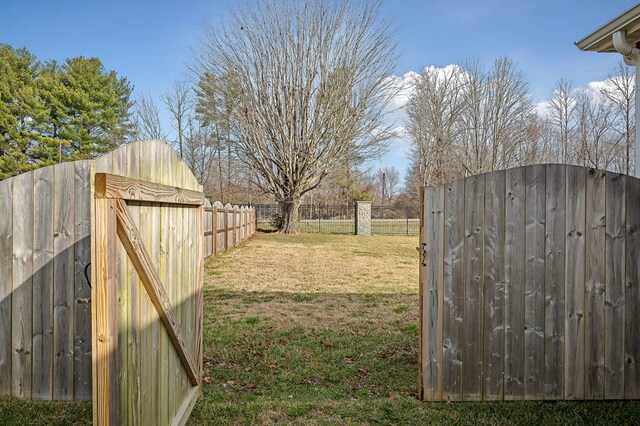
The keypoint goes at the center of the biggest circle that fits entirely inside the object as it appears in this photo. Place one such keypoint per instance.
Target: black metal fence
(340, 219)
(394, 220)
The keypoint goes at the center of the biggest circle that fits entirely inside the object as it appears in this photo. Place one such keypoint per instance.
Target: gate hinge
(422, 249)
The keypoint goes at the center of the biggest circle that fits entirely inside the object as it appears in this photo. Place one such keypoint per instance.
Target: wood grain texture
(614, 302)
(554, 282)
(82, 290)
(121, 187)
(514, 267)
(63, 288)
(453, 295)
(575, 275)
(21, 307)
(472, 360)
(106, 400)
(134, 358)
(493, 308)
(595, 277)
(422, 341)
(130, 238)
(121, 307)
(434, 291)
(632, 292)
(6, 284)
(535, 216)
(42, 308)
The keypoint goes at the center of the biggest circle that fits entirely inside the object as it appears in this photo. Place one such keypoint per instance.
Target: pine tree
(51, 113)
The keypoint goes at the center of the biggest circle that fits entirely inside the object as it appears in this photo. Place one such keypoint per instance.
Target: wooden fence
(226, 226)
(49, 285)
(530, 286)
(45, 317)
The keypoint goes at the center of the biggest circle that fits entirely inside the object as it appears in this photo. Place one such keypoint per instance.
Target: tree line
(52, 112)
(465, 119)
(288, 99)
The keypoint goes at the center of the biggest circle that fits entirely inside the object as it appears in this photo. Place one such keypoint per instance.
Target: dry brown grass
(313, 263)
(317, 281)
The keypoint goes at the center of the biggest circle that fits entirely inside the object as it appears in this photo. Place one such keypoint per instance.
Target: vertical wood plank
(493, 306)
(6, 285)
(473, 282)
(434, 289)
(514, 267)
(119, 167)
(595, 284)
(214, 228)
(99, 362)
(426, 271)
(554, 282)
(134, 356)
(22, 285)
(148, 360)
(453, 296)
(575, 273)
(199, 294)
(63, 289)
(632, 292)
(165, 272)
(422, 263)
(535, 212)
(42, 308)
(82, 258)
(615, 280)
(151, 170)
(176, 372)
(104, 293)
(184, 296)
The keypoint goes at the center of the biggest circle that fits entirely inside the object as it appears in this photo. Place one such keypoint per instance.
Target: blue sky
(150, 41)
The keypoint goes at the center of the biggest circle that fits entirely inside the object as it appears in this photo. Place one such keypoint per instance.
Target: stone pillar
(363, 217)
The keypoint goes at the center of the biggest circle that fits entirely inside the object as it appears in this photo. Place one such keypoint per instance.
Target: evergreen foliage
(51, 112)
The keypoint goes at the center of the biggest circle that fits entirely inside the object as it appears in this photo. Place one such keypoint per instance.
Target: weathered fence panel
(148, 257)
(529, 286)
(46, 344)
(222, 232)
(45, 336)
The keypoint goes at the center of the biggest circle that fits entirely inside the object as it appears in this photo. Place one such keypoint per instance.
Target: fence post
(363, 217)
(214, 226)
(226, 228)
(233, 221)
(406, 215)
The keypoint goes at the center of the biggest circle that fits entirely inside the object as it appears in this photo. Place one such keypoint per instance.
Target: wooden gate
(530, 286)
(147, 301)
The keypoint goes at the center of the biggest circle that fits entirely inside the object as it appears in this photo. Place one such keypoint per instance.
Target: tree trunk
(289, 215)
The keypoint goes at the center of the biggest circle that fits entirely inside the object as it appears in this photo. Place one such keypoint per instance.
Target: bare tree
(598, 141)
(147, 120)
(313, 83)
(178, 101)
(497, 109)
(433, 116)
(469, 120)
(387, 180)
(561, 115)
(620, 90)
(216, 104)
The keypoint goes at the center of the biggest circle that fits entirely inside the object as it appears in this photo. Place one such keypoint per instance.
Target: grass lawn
(322, 329)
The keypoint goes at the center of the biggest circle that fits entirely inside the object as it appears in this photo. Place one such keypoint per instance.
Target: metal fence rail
(391, 220)
(340, 219)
